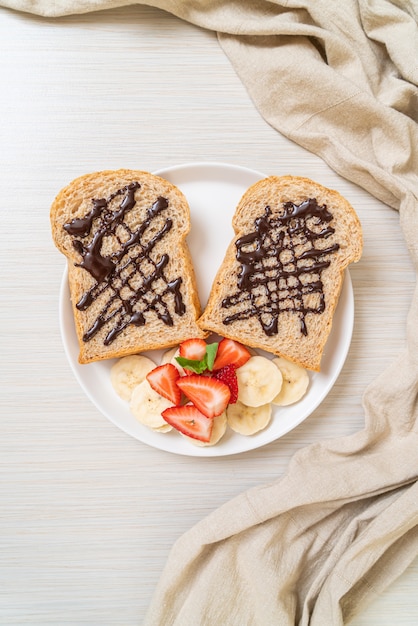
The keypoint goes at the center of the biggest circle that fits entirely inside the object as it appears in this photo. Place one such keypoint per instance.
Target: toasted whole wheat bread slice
(131, 278)
(279, 283)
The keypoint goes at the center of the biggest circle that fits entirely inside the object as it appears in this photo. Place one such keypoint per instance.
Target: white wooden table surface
(87, 513)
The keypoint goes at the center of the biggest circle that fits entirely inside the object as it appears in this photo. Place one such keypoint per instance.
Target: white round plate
(213, 191)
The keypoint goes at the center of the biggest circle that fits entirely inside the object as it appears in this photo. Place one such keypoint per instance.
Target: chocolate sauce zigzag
(130, 273)
(278, 286)
(259, 255)
(113, 275)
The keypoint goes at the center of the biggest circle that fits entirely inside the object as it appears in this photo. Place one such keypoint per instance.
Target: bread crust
(142, 269)
(294, 289)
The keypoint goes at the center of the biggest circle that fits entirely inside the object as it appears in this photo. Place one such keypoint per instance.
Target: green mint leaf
(198, 367)
(211, 350)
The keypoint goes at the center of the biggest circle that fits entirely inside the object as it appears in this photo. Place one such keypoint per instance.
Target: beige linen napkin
(340, 79)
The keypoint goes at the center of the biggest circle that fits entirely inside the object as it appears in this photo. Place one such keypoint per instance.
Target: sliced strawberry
(228, 376)
(209, 395)
(194, 350)
(189, 421)
(230, 353)
(163, 380)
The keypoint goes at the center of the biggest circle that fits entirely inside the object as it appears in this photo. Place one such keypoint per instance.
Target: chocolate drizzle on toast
(281, 263)
(130, 281)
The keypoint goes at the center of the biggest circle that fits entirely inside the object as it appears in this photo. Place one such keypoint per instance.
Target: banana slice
(248, 420)
(128, 372)
(163, 429)
(295, 382)
(170, 357)
(259, 381)
(218, 431)
(147, 405)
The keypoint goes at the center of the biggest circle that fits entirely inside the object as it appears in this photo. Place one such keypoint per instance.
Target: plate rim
(216, 450)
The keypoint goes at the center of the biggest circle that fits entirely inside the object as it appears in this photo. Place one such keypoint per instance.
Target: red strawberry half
(228, 376)
(230, 353)
(189, 421)
(192, 349)
(209, 395)
(163, 380)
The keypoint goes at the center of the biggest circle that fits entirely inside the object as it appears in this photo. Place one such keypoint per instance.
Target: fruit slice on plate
(209, 395)
(189, 421)
(170, 357)
(227, 375)
(163, 379)
(259, 381)
(248, 420)
(147, 406)
(128, 372)
(295, 382)
(218, 431)
(230, 353)
(194, 349)
(196, 356)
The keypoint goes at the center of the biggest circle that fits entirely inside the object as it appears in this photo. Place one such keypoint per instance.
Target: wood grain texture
(88, 514)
